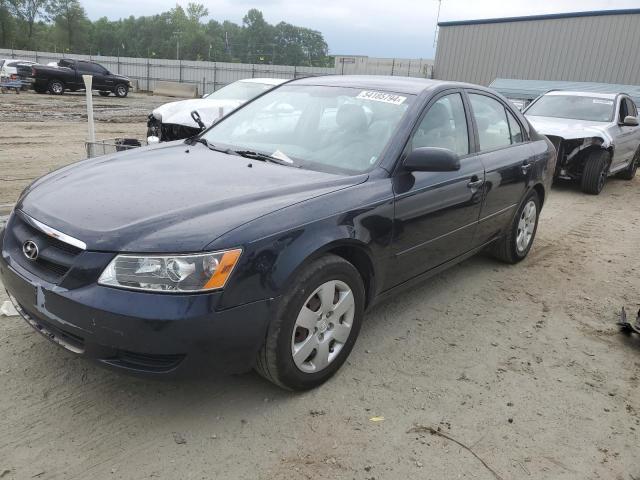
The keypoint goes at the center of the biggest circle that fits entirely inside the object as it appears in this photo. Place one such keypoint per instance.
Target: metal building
(599, 46)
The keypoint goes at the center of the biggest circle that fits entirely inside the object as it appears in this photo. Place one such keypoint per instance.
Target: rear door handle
(475, 182)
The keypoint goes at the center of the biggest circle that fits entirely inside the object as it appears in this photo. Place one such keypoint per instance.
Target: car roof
(406, 85)
(607, 96)
(268, 81)
(15, 60)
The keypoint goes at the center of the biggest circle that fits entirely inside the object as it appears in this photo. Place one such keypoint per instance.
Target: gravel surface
(521, 364)
(40, 133)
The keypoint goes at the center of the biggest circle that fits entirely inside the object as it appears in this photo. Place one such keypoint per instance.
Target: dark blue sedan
(261, 242)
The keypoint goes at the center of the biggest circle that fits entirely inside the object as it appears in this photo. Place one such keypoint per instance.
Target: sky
(397, 28)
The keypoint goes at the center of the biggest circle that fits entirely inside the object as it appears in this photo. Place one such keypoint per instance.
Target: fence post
(393, 66)
(118, 61)
(148, 73)
(180, 63)
(409, 69)
(203, 86)
(253, 71)
(215, 70)
(295, 72)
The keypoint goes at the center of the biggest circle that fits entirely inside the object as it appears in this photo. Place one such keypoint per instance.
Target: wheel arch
(540, 190)
(353, 251)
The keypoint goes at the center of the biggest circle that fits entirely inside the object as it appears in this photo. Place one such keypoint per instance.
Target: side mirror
(432, 159)
(630, 121)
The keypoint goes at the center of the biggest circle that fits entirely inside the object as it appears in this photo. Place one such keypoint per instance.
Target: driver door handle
(526, 166)
(475, 182)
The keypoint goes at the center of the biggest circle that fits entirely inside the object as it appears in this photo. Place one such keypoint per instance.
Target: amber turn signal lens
(224, 269)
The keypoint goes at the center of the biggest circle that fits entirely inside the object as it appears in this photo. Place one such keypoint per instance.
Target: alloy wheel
(323, 326)
(526, 226)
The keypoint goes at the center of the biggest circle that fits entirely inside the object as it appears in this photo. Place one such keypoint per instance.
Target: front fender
(277, 246)
(268, 267)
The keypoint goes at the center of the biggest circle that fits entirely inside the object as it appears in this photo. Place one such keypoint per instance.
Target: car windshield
(335, 129)
(239, 91)
(576, 107)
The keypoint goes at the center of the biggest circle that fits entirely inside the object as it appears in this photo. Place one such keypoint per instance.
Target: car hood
(179, 113)
(567, 128)
(168, 198)
(120, 77)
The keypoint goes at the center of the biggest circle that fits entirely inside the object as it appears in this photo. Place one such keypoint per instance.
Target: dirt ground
(40, 133)
(523, 364)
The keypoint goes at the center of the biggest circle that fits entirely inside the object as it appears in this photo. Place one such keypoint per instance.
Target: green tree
(28, 11)
(7, 22)
(71, 23)
(259, 38)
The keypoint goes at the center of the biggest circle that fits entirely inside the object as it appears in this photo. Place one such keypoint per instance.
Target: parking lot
(522, 364)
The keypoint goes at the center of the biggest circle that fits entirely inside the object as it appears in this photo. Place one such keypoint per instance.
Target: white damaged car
(596, 135)
(177, 120)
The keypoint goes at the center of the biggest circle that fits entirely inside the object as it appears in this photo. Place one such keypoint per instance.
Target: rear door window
(491, 120)
(514, 129)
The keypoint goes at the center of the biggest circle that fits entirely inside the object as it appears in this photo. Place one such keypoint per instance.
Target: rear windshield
(590, 109)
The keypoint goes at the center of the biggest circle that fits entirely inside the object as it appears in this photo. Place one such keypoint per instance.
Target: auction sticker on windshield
(381, 97)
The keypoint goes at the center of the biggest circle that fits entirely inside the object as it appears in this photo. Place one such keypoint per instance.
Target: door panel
(505, 185)
(626, 137)
(507, 160)
(435, 218)
(436, 213)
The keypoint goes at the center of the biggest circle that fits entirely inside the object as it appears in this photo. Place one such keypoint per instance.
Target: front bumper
(139, 332)
(169, 132)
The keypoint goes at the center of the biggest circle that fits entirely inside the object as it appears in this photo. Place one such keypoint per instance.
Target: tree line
(185, 33)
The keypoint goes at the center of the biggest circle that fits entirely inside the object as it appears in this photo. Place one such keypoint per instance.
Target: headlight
(171, 273)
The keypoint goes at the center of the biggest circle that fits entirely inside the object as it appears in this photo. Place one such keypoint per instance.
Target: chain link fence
(210, 76)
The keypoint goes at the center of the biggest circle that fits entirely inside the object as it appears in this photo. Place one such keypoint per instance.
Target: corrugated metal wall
(592, 48)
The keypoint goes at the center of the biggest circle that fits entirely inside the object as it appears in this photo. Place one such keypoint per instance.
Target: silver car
(596, 135)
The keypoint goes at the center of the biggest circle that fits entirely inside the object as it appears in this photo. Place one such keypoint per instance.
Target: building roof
(530, 89)
(594, 13)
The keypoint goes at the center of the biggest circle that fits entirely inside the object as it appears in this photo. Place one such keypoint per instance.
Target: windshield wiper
(211, 146)
(265, 157)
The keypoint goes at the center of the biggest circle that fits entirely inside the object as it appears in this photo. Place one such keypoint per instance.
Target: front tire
(630, 172)
(121, 90)
(316, 325)
(56, 87)
(595, 173)
(515, 245)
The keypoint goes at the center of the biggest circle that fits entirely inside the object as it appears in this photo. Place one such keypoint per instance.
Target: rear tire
(595, 173)
(630, 172)
(514, 246)
(284, 358)
(56, 87)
